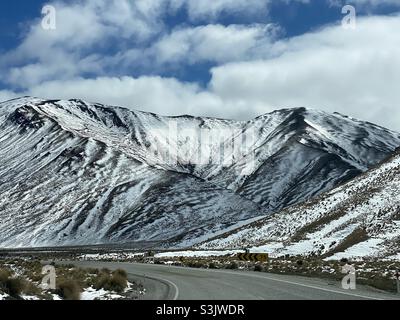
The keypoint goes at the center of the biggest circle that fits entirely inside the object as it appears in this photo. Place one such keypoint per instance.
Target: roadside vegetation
(20, 279)
(21, 276)
(373, 273)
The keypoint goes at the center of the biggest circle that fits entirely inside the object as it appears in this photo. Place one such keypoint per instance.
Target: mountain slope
(358, 219)
(67, 185)
(79, 173)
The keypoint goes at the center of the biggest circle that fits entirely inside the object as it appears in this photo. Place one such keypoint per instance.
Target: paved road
(177, 283)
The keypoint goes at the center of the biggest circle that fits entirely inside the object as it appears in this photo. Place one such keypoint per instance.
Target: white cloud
(355, 72)
(215, 43)
(200, 10)
(352, 72)
(186, 46)
(183, 46)
(165, 96)
(210, 10)
(84, 28)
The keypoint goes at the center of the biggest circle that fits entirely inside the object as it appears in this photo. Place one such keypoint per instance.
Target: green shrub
(212, 265)
(69, 289)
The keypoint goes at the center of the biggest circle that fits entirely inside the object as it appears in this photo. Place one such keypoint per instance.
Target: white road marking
(162, 280)
(255, 276)
(304, 285)
(285, 281)
(174, 285)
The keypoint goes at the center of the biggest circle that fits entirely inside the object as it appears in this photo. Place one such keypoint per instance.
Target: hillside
(358, 219)
(72, 172)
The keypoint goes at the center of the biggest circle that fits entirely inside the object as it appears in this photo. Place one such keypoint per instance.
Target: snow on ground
(271, 248)
(109, 256)
(368, 204)
(31, 298)
(3, 296)
(395, 257)
(358, 251)
(196, 253)
(93, 294)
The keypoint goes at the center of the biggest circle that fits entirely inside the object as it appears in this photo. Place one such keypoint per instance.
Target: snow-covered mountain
(78, 173)
(358, 219)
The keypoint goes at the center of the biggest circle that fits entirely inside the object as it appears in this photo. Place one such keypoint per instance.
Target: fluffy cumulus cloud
(211, 10)
(215, 43)
(354, 72)
(86, 28)
(255, 70)
(83, 29)
(166, 96)
(187, 46)
(204, 10)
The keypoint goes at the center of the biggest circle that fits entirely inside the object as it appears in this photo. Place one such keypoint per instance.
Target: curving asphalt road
(178, 283)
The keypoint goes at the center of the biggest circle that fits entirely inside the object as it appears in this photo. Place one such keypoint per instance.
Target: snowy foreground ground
(355, 253)
(24, 279)
(87, 294)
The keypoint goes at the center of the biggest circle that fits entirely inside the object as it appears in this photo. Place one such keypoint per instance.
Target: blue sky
(295, 19)
(225, 58)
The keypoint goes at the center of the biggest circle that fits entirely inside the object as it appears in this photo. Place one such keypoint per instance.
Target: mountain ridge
(119, 183)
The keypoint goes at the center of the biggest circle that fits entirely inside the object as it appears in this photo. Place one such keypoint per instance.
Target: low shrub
(14, 287)
(258, 268)
(117, 281)
(69, 289)
(4, 275)
(105, 270)
(196, 264)
(31, 289)
(300, 263)
(101, 281)
(232, 266)
(121, 273)
(93, 271)
(9, 285)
